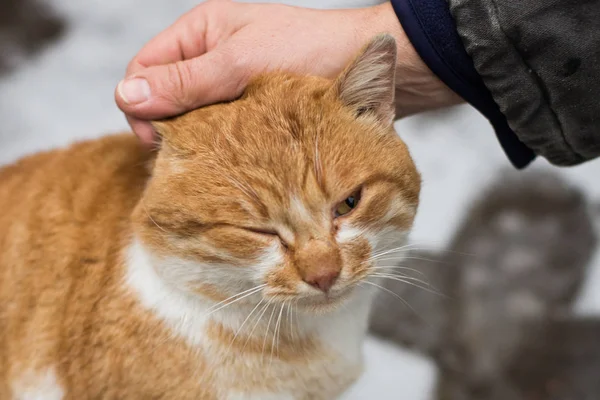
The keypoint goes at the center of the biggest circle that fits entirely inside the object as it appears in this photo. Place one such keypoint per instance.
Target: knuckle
(240, 70)
(214, 5)
(133, 66)
(179, 81)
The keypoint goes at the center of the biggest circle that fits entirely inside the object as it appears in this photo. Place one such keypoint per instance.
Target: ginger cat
(236, 263)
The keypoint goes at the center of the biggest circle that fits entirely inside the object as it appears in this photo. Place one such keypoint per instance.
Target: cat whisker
(243, 295)
(236, 295)
(274, 335)
(403, 276)
(282, 326)
(408, 280)
(432, 246)
(398, 267)
(393, 253)
(168, 336)
(296, 319)
(150, 217)
(244, 323)
(263, 310)
(413, 247)
(390, 292)
(388, 251)
(402, 251)
(410, 247)
(402, 257)
(399, 254)
(275, 340)
(267, 334)
(289, 318)
(281, 329)
(282, 296)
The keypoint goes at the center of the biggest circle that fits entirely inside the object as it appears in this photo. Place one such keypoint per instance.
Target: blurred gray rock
(26, 26)
(509, 276)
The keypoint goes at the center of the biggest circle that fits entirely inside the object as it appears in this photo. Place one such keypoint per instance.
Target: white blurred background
(65, 93)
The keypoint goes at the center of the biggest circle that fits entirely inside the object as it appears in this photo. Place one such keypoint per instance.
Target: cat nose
(323, 279)
(319, 264)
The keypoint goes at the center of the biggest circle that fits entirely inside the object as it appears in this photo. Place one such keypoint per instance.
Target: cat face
(289, 190)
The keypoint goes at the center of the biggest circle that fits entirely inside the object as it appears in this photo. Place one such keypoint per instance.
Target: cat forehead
(283, 130)
(289, 86)
(294, 107)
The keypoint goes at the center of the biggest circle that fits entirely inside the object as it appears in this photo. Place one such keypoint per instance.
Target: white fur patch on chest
(182, 312)
(185, 313)
(38, 385)
(340, 333)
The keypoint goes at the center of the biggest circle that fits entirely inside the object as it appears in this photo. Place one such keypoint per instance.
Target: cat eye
(267, 233)
(347, 205)
(260, 231)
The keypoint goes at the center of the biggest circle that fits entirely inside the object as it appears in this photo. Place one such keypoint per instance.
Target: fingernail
(134, 91)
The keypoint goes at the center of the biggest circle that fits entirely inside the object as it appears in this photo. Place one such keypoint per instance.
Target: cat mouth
(317, 301)
(326, 300)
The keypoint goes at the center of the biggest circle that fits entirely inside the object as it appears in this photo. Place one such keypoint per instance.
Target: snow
(66, 93)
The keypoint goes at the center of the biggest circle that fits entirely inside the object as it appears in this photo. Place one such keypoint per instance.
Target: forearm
(540, 60)
(417, 88)
(530, 67)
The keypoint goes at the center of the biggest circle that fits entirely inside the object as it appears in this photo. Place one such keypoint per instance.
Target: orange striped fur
(216, 268)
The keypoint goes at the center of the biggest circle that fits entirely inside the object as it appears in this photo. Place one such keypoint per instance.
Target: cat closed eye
(349, 204)
(260, 231)
(268, 233)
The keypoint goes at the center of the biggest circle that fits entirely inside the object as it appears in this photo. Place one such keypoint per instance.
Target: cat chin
(320, 308)
(325, 303)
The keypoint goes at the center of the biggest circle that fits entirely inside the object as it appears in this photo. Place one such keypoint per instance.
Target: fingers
(173, 72)
(189, 36)
(183, 40)
(166, 90)
(143, 131)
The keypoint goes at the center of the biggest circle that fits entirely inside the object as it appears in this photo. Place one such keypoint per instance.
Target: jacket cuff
(432, 31)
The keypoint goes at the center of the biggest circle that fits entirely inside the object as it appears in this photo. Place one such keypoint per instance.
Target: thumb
(166, 90)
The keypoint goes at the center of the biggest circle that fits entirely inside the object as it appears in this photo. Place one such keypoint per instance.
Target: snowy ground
(66, 93)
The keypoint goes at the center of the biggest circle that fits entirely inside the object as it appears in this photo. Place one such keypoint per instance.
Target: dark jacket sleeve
(538, 61)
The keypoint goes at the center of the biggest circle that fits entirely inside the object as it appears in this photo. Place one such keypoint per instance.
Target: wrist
(417, 87)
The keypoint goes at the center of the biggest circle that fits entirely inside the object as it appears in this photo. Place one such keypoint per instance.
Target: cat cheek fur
(372, 242)
(213, 281)
(205, 267)
(358, 248)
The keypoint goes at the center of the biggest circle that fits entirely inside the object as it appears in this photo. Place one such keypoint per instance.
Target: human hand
(210, 53)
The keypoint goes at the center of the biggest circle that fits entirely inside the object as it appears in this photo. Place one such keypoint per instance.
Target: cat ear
(166, 132)
(367, 85)
(165, 139)
(161, 128)
(176, 134)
